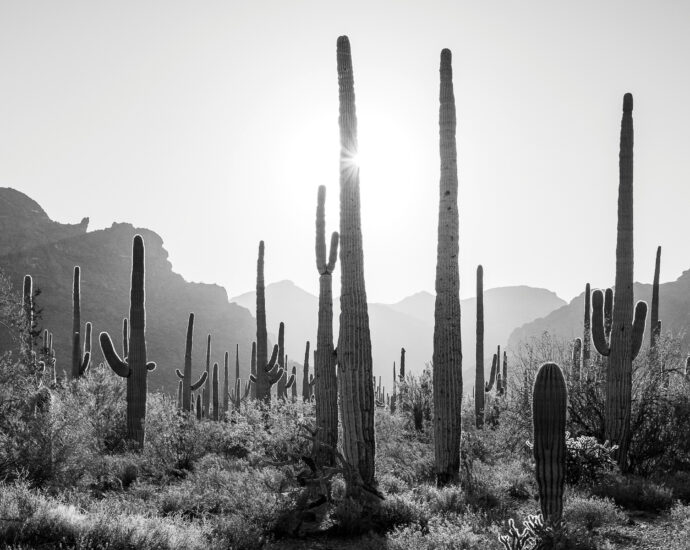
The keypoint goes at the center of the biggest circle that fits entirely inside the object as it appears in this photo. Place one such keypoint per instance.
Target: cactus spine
(627, 332)
(587, 333)
(549, 403)
(447, 355)
(325, 386)
(186, 378)
(267, 372)
(135, 367)
(479, 365)
(354, 340)
(655, 331)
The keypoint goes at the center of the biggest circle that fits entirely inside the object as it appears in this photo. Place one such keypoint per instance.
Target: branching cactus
(134, 367)
(294, 384)
(479, 357)
(282, 388)
(325, 386)
(447, 354)
(586, 333)
(186, 378)
(268, 372)
(488, 386)
(85, 357)
(627, 331)
(306, 390)
(655, 331)
(237, 397)
(549, 402)
(80, 361)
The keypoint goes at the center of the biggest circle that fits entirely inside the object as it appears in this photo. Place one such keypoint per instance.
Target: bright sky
(213, 123)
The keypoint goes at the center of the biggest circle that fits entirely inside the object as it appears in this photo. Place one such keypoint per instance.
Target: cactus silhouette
(504, 388)
(306, 390)
(134, 367)
(655, 331)
(80, 361)
(28, 314)
(252, 370)
(267, 371)
(325, 386)
(354, 341)
(586, 333)
(206, 393)
(402, 364)
(549, 402)
(488, 386)
(479, 364)
(282, 381)
(627, 331)
(186, 378)
(447, 354)
(226, 382)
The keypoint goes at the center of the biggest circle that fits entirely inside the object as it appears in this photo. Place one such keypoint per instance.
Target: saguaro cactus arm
(598, 327)
(120, 367)
(638, 327)
(492, 377)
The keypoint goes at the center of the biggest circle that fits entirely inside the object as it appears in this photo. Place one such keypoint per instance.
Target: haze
(213, 123)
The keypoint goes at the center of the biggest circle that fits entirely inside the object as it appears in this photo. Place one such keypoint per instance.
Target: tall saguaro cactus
(186, 378)
(325, 386)
(549, 402)
(306, 390)
(655, 331)
(28, 313)
(209, 380)
(252, 371)
(354, 341)
(587, 332)
(80, 361)
(627, 332)
(134, 367)
(267, 371)
(447, 355)
(282, 390)
(479, 366)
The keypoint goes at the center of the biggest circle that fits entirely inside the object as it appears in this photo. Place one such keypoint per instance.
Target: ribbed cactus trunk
(226, 383)
(134, 367)
(549, 402)
(655, 325)
(624, 346)
(505, 372)
(447, 355)
(402, 364)
(263, 385)
(576, 357)
(282, 391)
(587, 333)
(479, 365)
(215, 415)
(209, 380)
(354, 341)
(76, 322)
(305, 375)
(252, 371)
(28, 313)
(186, 378)
(326, 386)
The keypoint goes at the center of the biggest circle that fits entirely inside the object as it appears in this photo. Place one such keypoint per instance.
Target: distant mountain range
(31, 243)
(567, 321)
(408, 323)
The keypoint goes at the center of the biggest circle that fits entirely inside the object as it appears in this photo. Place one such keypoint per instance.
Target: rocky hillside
(53, 249)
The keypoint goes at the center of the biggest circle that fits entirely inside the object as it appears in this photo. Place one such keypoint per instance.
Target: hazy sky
(213, 123)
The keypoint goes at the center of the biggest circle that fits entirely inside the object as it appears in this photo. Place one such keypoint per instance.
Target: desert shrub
(415, 400)
(635, 493)
(591, 513)
(401, 451)
(447, 532)
(587, 460)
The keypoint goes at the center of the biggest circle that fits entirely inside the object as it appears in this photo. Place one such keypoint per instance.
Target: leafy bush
(635, 493)
(591, 513)
(587, 460)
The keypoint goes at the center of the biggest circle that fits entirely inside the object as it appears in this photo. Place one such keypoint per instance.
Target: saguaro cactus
(354, 341)
(28, 312)
(252, 370)
(402, 364)
(586, 333)
(577, 355)
(186, 378)
(282, 389)
(85, 357)
(226, 382)
(488, 386)
(655, 331)
(505, 373)
(479, 365)
(267, 372)
(626, 333)
(134, 367)
(207, 387)
(549, 402)
(215, 414)
(447, 355)
(325, 385)
(306, 390)
(80, 361)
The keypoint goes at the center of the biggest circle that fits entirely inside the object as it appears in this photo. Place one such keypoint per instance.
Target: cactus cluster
(186, 387)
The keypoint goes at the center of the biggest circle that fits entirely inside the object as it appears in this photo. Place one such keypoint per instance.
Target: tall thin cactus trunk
(479, 366)
(586, 333)
(655, 331)
(186, 378)
(354, 342)
(447, 355)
